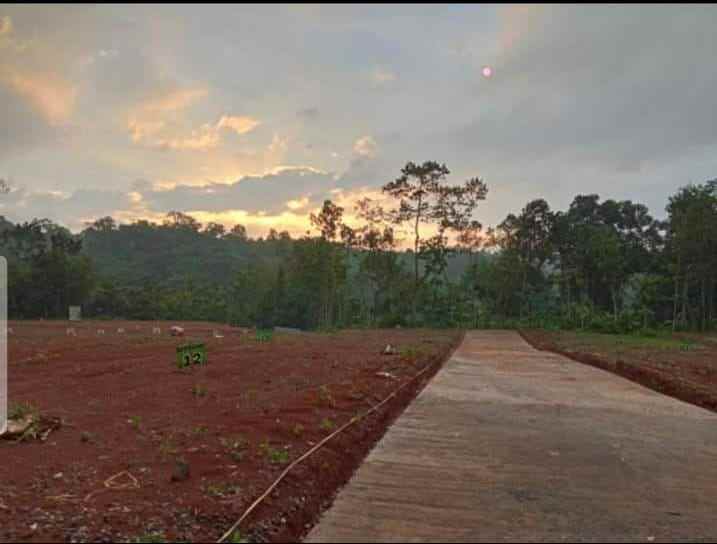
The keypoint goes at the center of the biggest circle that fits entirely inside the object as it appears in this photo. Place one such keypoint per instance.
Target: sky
(254, 114)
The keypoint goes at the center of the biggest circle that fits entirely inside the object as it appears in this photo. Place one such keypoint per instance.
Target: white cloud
(365, 147)
(174, 100)
(239, 124)
(71, 208)
(298, 204)
(207, 137)
(50, 95)
(278, 145)
(158, 123)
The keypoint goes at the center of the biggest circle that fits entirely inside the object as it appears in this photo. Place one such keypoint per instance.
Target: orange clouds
(298, 203)
(365, 147)
(5, 25)
(156, 122)
(207, 137)
(240, 125)
(51, 96)
(140, 129)
(178, 99)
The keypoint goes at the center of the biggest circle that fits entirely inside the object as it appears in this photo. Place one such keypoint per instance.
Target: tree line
(601, 265)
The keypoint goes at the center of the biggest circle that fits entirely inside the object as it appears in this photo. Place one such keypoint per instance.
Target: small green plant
(199, 391)
(276, 456)
(221, 490)
(326, 424)
(236, 447)
(298, 430)
(135, 421)
(326, 397)
(237, 538)
(24, 411)
(20, 410)
(200, 429)
(150, 537)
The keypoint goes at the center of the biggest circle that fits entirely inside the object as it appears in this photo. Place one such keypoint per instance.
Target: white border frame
(3, 345)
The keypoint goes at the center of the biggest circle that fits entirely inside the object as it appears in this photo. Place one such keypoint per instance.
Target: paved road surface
(508, 443)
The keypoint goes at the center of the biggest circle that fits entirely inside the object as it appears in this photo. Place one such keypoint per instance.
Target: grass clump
(237, 538)
(276, 456)
(200, 429)
(236, 447)
(298, 430)
(150, 537)
(221, 490)
(325, 396)
(135, 421)
(326, 424)
(21, 410)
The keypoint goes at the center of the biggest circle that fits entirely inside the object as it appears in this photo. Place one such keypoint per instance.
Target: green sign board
(264, 335)
(191, 354)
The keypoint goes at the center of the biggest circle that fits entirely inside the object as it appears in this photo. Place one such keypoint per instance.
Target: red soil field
(689, 375)
(237, 422)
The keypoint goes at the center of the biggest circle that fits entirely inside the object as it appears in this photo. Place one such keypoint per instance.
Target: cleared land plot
(681, 365)
(237, 423)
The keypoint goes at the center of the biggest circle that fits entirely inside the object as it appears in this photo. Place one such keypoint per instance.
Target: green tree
(692, 245)
(424, 198)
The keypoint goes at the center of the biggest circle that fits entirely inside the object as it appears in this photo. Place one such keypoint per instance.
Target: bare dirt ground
(127, 409)
(683, 366)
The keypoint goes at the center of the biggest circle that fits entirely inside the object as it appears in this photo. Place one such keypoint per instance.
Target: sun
(487, 71)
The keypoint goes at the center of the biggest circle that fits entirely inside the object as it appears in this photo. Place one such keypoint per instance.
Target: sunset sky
(256, 114)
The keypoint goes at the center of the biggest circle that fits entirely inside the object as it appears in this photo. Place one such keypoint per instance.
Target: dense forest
(600, 265)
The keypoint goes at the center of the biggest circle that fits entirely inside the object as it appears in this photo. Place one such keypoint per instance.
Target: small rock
(85, 437)
(57, 476)
(390, 350)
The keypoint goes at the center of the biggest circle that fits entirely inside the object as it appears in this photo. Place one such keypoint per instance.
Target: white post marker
(3, 345)
(75, 313)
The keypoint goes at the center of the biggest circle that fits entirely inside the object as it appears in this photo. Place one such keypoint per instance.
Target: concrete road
(508, 443)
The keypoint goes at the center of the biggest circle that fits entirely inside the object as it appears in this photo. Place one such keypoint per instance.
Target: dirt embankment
(690, 376)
